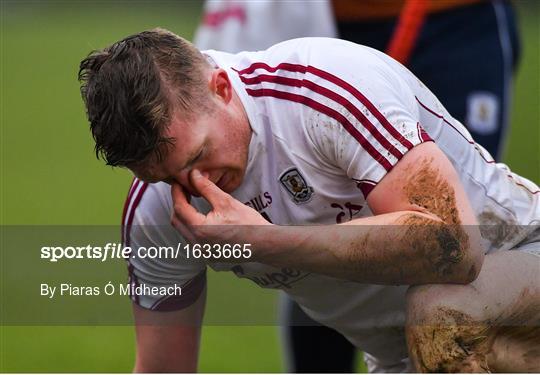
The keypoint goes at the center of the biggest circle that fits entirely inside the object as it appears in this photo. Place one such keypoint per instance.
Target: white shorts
(376, 366)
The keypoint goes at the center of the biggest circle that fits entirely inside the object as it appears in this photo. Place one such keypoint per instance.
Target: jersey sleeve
(371, 118)
(145, 225)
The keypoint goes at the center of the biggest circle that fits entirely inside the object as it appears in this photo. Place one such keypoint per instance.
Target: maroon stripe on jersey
(338, 82)
(366, 187)
(523, 186)
(283, 66)
(217, 18)
(132, 281)
(329, 112)
(472, 143)
(136, 202)
(126, 241)
(444, 119)
(422, 134)
(366, 102)
(132, 188)
(456, 129)
(331, 95)
(190, 293)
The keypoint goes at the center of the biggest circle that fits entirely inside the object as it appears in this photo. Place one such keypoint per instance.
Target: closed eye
(194, 160)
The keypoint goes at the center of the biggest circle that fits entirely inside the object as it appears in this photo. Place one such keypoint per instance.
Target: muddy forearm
(399, 248)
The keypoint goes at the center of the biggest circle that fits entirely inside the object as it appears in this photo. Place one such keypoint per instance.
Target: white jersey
(330, 118)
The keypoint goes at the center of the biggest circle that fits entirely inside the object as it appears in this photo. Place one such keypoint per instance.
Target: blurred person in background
(465, 51)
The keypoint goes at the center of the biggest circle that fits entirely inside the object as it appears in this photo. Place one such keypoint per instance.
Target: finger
(207, 189)
(184, 212)
(182, 229)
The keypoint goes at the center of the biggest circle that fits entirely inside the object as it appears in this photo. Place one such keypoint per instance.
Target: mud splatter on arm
(442, 244)
(427, 189)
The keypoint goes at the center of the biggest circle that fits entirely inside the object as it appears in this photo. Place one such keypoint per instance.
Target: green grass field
(49, 175)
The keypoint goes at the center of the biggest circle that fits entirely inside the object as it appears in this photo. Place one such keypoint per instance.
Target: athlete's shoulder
(310, 50)
(328, 50)
(313, 44)
(145, 225)
(147, 204)
(328, 59)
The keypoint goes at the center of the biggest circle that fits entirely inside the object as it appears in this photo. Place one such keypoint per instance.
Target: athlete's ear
(220, 85)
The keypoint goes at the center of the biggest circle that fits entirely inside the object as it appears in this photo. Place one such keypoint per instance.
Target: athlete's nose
(185, 181)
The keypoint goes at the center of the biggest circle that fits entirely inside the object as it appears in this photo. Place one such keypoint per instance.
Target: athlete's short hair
(132, 88)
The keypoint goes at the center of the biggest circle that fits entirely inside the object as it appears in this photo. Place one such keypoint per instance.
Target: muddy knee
(442, 338)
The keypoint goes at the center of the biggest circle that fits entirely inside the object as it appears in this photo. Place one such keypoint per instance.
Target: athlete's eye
(195, 159)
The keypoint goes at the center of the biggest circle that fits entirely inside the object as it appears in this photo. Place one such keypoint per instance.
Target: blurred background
(49, 175)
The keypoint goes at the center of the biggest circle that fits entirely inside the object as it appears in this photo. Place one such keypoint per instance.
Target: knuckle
(206, 184)
(226, 203)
